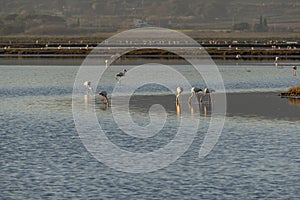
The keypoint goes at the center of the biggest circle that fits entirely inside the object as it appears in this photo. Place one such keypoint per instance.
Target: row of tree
(18, 16)
(262, 26)
(14, 24)
(204, 9)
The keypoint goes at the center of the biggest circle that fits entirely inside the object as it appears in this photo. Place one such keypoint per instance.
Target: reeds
(294, 91)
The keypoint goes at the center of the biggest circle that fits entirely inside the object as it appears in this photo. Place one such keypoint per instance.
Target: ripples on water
(42, 155)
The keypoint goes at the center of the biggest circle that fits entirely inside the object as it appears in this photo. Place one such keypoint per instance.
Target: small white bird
(120, 74)
(104, 94)
(179, 91)
(276, 60)
(88, 87)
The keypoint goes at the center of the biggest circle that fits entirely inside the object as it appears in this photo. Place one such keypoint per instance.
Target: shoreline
(216, 49)
(216, 54)
(224, 54)
(78, 60)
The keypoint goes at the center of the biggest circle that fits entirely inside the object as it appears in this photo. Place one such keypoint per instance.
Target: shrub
(294, 91)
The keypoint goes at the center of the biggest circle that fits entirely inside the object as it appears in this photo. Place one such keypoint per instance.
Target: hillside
(77, 17)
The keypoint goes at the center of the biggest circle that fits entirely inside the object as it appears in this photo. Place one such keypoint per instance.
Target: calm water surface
(42, 155)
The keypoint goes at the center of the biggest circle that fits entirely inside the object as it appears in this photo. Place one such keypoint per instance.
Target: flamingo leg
(190, 98)
(106, 101)
(201, 98)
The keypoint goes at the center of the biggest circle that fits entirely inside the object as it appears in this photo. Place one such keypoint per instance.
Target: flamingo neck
(106, 100)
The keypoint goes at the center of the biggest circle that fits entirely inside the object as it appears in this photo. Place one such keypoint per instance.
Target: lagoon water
(42, 155)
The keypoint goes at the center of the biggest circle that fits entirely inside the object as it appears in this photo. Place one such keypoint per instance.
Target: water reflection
(139, 105)
(86, 101)
(178, 108)
(294, 101)
(191, 108)
(142, 103)
(89, 100)
(204, 109)
(103, 106)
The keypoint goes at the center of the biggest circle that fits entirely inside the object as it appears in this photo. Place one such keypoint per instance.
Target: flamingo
(276, 60)
(104, 94)
(295, 70)
(179, 91)
(238, 56)
(194, 91)
(120, 74)
(88, 87)
(206, 91)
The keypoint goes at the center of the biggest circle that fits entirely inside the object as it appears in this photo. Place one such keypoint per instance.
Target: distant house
(138, 23)
(244, 26)
(262, 26)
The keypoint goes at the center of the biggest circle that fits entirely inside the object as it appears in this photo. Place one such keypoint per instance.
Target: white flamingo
(179, 91)
(276, 60)
(207, 92)
(88, 87)
(194, 91)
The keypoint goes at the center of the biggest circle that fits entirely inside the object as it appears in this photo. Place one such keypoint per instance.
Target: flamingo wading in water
(206, 91)
(194, 91)
(179, 91)
(104, 94)
(88, 86)
(120, 74)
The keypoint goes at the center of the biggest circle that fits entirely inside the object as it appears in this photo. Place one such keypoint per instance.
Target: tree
(262, 26)
(211, 9)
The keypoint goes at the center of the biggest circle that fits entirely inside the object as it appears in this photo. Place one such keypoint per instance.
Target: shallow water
(42, 155)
